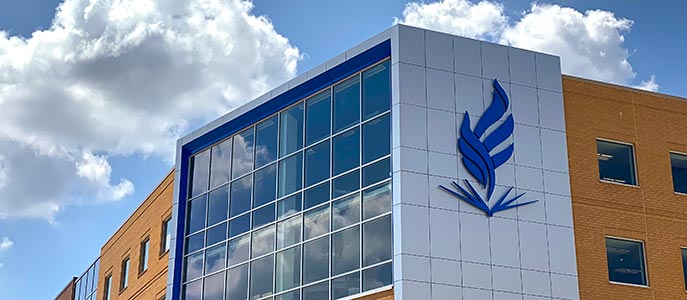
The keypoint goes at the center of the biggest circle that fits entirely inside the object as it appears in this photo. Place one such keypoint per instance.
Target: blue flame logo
(476, 149)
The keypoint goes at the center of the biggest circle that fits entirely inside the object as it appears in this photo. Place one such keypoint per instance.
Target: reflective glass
(240, 196)
(200, 168)
(266, 141)
(194, 266)
(317, 291)
(291, 130)
(239, 250)
(377, 277)
(376, 90)
(261, 277)
(346, 211)
(214, 287)
(625, 261)
(289, 232)
(288, 206)
(316, 222)
(377, 172)
(678, 164)
(237, 283)
(346, 285)
(376, 200)
(616, 162)
(263, 241)
(292, 295)
(346, 184)
(193, 290)
(265, 189)
(216, 234)
(318, 117)
(346, 103)
(377, 241)
(316, 260)
(288, 269)
(196, 214)
(239, 225)
(263, 216)
(195, 242)
(376, 138)
(242, 159)
(684, 265)
(317, 163)
(220, 166)
(346, 151)
(316, 195)
(218, 205)
(290, 174)
(346, 250)
(215, 258)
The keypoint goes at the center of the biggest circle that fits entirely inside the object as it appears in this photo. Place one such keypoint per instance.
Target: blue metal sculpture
(476, 149)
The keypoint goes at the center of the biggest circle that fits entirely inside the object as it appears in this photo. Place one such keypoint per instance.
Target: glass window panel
(239, 225)
(143, 258)
(237, 283)
(377, 241)
(218, 205)
(678, 165)
(316, 195)
(290, 174)
(200, 169)
(261, 277)
(166, 234)
(376, 138)
(242, 159)
(288, 269)
(346, 285)
(216, 234)
(376, 90)
(625, 261)
(316, 260)
(193, 290)
(318, 291)
(377, 172)
(347, 103)
(346, 211)
(346, 151)
(213, 288)
(376, 200)
(266, 141)
(289, 232)
(292, 295)
(316, 222)
(346, 250)
(196, 214)
(616, 162)
(263, 216)
(263, 241)
(265, 188)
(377, 277)
(220, 166)
(317, 163)
(195, 242)
(194, 266)
(318, 117)
(291, 130)
(108, 287)
(346, 184)
(684, 265)
(239, 250)
(240, 196)
(215, 258)
(288, 206)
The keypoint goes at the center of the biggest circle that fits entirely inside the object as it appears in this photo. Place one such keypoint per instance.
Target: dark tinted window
(291, 130)
(217, 234)
(195, 242)
(196, 214)
(316, 292)
(377, 241)
(684, 265)
(346, 103)
(317, 163)
(288, 206)
(346, 285)
(263, 216)
(239, 225)
(377, 277)
(193, 290)
(377, 172)
(240, 196)
(678, 164)
(346, 250)
(346, 151)
(316, 195)
(317, 117)
(376, 90)
(266, 142)
(346, 183)
(315, 260)
(261, 277)
(265, 185)
(237, 283)
(218, 205)
(376, 138)
(290, 174)
(625, 261)
(616, 162)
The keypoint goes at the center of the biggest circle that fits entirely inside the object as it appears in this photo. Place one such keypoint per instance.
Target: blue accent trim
(310, 87)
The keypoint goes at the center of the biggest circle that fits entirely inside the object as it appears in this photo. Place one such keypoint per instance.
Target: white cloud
(119, 78)
(590, 43)
(649, 85)
(6, 244)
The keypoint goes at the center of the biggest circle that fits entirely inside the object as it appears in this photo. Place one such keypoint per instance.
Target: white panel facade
(444, 248)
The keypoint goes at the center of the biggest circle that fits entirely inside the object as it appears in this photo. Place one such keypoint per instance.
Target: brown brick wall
(651, 212)
(68, 292)
(145, 222)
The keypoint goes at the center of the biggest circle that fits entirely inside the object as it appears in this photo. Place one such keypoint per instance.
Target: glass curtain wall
(87, 284)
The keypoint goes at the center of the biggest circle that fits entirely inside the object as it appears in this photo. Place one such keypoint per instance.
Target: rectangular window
(145, 250)
(166, 236)
(684, 265)
(626, 261)
(124, 278)
(616, 162)
(108, 287)
(678, 164)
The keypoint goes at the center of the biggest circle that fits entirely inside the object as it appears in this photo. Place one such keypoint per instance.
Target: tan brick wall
(651, 212)
(145, 222)
(68, 292)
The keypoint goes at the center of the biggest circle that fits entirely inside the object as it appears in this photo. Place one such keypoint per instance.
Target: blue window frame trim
(308, 88)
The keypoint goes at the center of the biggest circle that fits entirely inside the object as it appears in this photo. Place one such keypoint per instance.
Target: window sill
(141, 273)
(123, 290)
(629, 284)
(619, 183)
(163, 254)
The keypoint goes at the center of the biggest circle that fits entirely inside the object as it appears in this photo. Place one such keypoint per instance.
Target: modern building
(420, 165)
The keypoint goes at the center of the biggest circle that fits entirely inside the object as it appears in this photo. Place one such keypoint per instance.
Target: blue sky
(84, 179)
